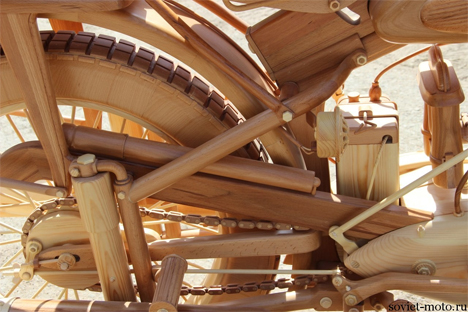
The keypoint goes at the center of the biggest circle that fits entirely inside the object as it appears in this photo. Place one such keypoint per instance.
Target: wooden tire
(154, 92)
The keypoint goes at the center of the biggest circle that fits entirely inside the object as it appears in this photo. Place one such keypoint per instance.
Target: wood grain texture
(61, 6)
(355, 168)
(318, 212)
(141, 22)
(307, 6)
(428, 196)
(23, 47)
(400, 22)
(100, 218)
(249, 244)
(154, 153)
(443, 240)
(169, 278)
(446, 16)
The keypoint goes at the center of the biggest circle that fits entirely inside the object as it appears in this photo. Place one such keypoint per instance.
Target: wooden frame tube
(23, 47)
(100, 218)
(237, 137)
(137, 247)
(33, 187)
(122, 147)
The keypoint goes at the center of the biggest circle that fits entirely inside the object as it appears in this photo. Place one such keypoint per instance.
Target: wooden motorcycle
(153, 165)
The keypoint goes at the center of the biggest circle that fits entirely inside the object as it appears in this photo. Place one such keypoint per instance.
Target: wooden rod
(123, 147)
(137, 246)
(100, 218)
(390, 199)
(218, 60)
(226, 15)
(240, 135)
(33, 187)
(170, 278)
(23, 47)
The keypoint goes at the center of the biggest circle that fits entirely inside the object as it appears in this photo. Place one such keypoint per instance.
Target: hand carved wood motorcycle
(138, 166)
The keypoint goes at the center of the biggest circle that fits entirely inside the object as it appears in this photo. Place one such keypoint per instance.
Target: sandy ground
(400, 84)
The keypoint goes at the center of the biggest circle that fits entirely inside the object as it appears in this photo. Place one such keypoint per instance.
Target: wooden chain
(175, 216)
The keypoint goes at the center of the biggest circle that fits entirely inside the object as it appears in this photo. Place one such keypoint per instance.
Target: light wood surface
(100, 218)
(139, 21)
(319, 6)
(445, 16)
(234, 138)
(61, 6)
(247, 244)
(453, 289)
(26, 58)
(154, 153)
(318, 212)
(354, 171)
(442, 241)
(401, 21)
(33, 187)
(138, 249)
(169, 278)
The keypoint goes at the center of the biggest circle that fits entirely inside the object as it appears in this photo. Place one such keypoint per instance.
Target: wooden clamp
(169, 278)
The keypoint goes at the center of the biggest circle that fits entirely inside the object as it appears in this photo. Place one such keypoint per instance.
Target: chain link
(176, 216)
(69, 203)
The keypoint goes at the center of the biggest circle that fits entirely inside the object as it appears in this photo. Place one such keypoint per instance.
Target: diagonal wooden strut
(23, 47)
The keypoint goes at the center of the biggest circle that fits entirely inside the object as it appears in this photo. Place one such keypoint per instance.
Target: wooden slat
(27, 60)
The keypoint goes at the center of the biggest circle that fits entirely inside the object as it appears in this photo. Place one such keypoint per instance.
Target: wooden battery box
(370, 123)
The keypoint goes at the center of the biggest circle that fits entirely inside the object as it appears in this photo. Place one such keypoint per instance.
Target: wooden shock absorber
(441, 92)
(169, 279)
(100, 218)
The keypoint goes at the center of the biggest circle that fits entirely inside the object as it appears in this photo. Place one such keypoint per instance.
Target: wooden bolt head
(26, 276)
(287, 116)
(351, 300)
(60, 194)
(337, 281)
(326, 302)
(86, 159)
(121, 195)
(334, 5)
(361, 60)
(75, 172)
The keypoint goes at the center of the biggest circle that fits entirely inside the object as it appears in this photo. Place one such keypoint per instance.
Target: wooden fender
(442, 241)
(143, 23)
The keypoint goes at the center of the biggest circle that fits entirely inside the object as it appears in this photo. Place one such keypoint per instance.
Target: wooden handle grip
(169, 279)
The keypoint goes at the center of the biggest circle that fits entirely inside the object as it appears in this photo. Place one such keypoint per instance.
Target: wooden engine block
(368, 161)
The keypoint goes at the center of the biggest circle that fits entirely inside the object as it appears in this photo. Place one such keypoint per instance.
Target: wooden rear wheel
(111, 86)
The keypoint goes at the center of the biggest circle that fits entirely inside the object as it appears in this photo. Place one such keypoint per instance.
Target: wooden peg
(169, 279)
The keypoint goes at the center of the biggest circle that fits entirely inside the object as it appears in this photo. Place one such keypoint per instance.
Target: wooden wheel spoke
(10, 228)
(12, 289)
(13, 241)
(37, 293)
(73, 113)
(11, 197)
(16, 255)
(12, 124)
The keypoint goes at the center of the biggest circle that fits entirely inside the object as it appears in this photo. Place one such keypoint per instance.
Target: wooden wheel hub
(56, 228)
